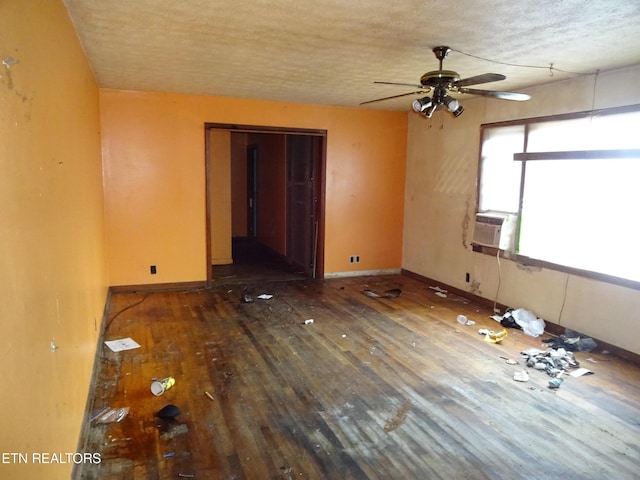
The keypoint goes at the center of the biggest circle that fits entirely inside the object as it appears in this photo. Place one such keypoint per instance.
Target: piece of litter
(344, 336)
(209, 395)
(440, 294)
(461, 319)
(522, 376)
(470, 323)
(113, 415)
(591, 360)
(393, 293)
(265, 296)
(99, 412)
(555, 382)
(122, 344)
(492, 337)
(438, 289)
(170, 454)
(511, 362)
(309, 321)
(580, 372)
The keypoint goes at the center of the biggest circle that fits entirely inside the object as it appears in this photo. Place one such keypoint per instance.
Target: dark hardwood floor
(374, 388)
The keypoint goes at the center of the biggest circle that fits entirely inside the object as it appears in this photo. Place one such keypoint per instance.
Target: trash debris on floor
(491, 336)
(110, 415)
(463, 320)
(169, 411)
(555, 382)
(438, 289)
(122, 344)
(555, 362)
(520, 318)
(265, 296)
(393, 293)
(580, 372)
(210, 396)
(521, 376)
(572, 341)
(509, 361)
(245, 297)
(308, 321)
(158, 387)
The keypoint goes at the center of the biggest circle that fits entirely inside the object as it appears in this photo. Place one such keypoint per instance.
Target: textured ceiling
(330, 51)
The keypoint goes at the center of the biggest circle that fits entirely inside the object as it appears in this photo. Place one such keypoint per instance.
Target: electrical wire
(564, 299)
(495, 301)
(144, 297)
(550, 67)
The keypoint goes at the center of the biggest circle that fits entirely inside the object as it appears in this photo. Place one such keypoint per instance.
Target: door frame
(318, 247)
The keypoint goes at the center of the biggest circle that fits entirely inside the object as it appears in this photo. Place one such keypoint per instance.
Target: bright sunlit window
(574, 183)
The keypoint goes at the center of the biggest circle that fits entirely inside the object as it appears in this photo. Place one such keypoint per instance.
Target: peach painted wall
(153, 147)
(440, 197)
(53, 280)
(220, 191)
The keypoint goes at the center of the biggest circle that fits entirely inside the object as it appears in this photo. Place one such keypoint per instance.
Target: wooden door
(303, 162)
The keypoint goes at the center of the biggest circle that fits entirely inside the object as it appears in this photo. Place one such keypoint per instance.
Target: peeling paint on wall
(528, 268)
(466, 220)
(474, 288)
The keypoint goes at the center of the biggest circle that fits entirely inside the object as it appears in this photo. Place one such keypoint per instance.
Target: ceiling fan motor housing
(439, 78)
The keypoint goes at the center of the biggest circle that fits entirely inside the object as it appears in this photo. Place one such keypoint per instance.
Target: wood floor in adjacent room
(374, 388)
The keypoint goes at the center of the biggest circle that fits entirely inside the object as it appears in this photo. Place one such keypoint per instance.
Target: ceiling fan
(443, 82)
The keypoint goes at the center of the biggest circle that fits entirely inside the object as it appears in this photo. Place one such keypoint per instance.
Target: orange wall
(220, 196)
(53, 281)
(153, 147)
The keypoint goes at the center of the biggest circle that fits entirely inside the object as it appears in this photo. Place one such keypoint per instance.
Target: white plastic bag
(530, 324)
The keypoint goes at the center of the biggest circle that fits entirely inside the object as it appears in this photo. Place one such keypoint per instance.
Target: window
(574, 183)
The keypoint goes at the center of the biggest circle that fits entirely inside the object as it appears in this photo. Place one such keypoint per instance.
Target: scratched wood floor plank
(374, 388)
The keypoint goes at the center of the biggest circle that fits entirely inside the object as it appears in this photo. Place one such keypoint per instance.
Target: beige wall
(153, 154)
(220, 191)
(52, 262)
(440, 196)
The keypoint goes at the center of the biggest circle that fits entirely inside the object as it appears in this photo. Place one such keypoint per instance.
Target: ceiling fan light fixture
(428, 111)
(458, 111)
(420, 104)
(451, 103)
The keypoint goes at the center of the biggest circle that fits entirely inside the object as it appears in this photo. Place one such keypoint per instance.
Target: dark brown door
(303, 162)
(252, 175)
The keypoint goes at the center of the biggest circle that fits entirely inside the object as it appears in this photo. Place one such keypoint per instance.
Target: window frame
(525, 157)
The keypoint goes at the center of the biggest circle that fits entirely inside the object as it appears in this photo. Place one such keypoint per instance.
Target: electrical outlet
(153, 269)
(467, 277)
(354, 259)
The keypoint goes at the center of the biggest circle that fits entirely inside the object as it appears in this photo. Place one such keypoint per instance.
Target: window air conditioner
(495, 230)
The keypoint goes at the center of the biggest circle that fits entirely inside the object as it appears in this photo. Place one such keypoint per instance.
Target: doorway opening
(264, 203)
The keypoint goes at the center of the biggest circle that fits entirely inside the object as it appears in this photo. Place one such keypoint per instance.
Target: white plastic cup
(160, 386)
(462, 320)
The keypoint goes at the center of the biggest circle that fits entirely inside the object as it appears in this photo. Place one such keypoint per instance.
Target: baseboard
(362, 273)
(550, 327)
(158, 287)
(89, 403)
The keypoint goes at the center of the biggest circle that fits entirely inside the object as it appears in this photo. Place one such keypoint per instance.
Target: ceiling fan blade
(393, 96)
(401, 84)
(484, 78)
(520, 97)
